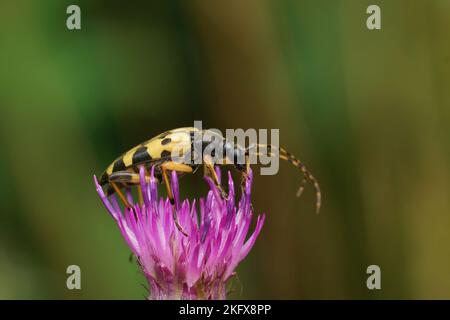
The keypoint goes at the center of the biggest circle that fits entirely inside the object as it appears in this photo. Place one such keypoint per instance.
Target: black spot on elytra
(166, 141)
(141, 155)
(119, 165)
(165, 154)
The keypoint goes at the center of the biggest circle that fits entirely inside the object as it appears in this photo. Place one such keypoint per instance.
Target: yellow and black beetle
(124, 171)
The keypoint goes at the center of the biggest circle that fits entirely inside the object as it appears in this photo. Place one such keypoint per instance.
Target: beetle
(189, 144)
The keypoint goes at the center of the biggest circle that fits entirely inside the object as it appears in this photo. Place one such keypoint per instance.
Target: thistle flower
(197, 266)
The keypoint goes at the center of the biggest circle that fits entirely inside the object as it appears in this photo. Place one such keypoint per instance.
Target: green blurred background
(367, 111)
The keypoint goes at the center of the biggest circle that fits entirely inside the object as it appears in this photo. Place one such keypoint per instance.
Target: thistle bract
(197, 266)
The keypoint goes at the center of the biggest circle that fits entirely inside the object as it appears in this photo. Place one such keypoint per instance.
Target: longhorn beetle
(158, 152)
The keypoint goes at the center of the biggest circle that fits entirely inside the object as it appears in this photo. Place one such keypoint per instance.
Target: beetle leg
(171, 199)
(126, 177)
(245, 173)
(140, 198)
(120, 194)
(244, 177)
(210, 172)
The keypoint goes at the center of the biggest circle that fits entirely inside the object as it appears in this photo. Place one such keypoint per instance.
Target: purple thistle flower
(197, 266)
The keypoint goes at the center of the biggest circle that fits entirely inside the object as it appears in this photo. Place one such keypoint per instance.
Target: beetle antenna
(285, 155)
